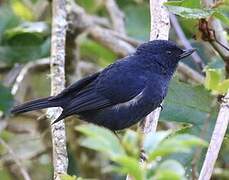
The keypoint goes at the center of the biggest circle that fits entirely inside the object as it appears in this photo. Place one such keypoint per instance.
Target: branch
(117, 16)
(40, 63)
(104, 37)
(190, 73)
(22, 169)
(223, 116)
(159, 30)
(196, 58)
(216, 140)
(59, 26)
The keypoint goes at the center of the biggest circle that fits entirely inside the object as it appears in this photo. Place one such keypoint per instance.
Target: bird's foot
(160, 106)
(143, 156)
(223, 99)
(116, 134)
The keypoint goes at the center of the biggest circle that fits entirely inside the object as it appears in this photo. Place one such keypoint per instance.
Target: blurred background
(95, 39)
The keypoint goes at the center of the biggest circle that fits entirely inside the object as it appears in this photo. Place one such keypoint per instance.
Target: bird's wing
(85, 100)
(88, 99)
(112, 86)
(76, 87)
(122, 81)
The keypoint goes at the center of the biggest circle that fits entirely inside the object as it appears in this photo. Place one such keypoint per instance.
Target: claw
(161, 107)
(116, 134)
(143, 155)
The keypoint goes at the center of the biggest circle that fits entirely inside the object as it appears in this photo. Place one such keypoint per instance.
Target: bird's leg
(160, 106)
(116, 134)
(143, 156)
(222, 99)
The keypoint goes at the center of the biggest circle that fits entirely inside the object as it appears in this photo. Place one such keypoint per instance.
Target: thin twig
(20, 166)
(216, 140)
(223, 116)
(196, 58)
(34, 64)
(117, 16)
(190, 73)
(103, 36)
(59, 26)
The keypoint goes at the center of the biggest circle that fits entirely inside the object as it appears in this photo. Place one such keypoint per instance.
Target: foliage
(193, 10)
(6, 99)
(156, 145)
(22, 40)
(215, 81)
(68, 177)
(190, 109)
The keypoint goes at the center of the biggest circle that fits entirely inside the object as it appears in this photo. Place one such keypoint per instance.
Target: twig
(80, 20)
(59, 26)
(196, 58)
(34, 64)
(130, 40)
(103, 36)
(159, 30)
(223, 116)
(117, 16)
(216, 140)
(15, 77)
(190, 73)
(7, 82)
(20, 166)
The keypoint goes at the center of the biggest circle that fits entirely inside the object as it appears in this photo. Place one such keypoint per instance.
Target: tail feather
(35, 105)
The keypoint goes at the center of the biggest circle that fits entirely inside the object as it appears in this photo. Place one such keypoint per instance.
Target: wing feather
(77, 87)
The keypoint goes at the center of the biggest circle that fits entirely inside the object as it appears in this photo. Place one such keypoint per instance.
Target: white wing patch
(129, 103)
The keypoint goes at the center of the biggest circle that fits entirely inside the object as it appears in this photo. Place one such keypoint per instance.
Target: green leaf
(213, 78)
(69, 177)
(187, 104)
(37, 29)
(213, 81)
(130, 141)
(131, 166)
(170, 170)
(22, 10)
(152, 140)
(189, 96)
(224, 19)
(6, 98)
(23, 54)
(223, 87)
(178, 8)
(101, 139)
(185, 3)
(8, 19)
(181, 143)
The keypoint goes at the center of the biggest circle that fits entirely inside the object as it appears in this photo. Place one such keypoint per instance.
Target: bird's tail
(35, 105)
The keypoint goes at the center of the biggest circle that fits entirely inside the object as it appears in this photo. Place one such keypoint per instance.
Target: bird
(123, 93)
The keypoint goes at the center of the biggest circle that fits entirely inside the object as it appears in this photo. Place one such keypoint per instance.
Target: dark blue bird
(123, 93)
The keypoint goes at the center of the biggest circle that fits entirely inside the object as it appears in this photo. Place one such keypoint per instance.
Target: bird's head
(166, 53)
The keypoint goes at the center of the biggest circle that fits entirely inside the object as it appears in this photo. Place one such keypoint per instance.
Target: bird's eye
(168, 52)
